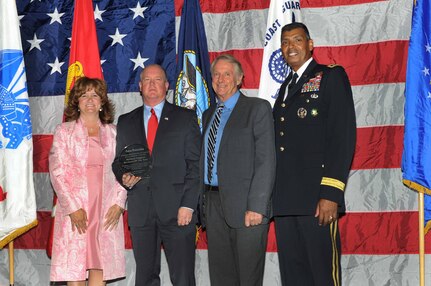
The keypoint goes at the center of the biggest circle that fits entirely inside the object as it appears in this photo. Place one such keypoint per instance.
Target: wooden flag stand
(421, 240)
(8, 240)
(11, 264)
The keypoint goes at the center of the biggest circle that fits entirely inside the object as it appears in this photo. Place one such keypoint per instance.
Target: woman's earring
(100, 109)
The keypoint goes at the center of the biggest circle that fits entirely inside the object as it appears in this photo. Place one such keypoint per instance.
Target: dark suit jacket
(315, 131)
(246, 160)
(174, 181)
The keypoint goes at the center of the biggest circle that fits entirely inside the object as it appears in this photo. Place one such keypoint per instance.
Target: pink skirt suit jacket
(67, 168)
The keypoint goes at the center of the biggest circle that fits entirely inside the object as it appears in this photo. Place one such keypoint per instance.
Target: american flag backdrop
(368, 37)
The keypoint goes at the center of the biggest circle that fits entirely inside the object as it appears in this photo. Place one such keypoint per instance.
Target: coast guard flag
(193, 89)
(274, 68)
(416, 164)
(17, 197)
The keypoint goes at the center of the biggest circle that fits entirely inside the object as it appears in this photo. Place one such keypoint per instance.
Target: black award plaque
(136, 159)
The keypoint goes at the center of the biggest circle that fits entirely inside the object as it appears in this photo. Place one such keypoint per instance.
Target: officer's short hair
(296, 25)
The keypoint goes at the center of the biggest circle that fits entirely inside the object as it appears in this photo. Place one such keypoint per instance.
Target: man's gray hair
(230, 59)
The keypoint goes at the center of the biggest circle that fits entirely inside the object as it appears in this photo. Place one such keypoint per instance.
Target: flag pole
(421, 240)
(421, 232)
(11, 264)
(8, 240)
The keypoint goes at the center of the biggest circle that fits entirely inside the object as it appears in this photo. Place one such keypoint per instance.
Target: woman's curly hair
(82, 85)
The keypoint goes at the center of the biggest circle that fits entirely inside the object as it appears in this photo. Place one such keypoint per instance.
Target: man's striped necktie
(212, 136)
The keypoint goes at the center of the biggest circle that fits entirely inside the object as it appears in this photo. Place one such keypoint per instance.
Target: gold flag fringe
(17, 232)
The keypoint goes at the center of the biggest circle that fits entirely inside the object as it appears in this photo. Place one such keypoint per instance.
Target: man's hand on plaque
(129, 180)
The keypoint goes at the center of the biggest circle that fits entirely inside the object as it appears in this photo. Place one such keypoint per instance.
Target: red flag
(84, 52)
(84, 61)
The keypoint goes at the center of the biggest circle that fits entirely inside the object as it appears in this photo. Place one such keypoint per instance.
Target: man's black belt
(211, 188)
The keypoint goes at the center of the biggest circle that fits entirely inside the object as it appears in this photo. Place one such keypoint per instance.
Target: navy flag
(193, 87)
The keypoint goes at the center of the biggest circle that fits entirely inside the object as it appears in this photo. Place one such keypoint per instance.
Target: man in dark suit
(161, 209)
(315, 133)
(238, 169)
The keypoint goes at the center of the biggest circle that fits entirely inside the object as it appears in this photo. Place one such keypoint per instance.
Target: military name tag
(136, 159)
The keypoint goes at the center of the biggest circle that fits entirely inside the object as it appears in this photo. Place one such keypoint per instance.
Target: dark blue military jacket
(315, 132)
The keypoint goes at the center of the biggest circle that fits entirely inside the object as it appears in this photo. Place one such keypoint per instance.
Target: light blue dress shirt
(227, 111)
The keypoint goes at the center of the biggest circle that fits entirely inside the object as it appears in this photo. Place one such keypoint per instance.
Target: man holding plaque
(157, 160)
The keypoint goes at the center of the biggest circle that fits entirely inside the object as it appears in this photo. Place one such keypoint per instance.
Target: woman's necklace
(92, 130)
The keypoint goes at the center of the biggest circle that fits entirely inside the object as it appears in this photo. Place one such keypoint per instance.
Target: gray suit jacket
(246, 160)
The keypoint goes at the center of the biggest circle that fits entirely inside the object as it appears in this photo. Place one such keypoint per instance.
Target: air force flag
(17, 197)
(274, 68)
(416, 164)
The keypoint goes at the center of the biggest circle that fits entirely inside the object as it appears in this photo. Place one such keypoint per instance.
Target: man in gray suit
(238, 169)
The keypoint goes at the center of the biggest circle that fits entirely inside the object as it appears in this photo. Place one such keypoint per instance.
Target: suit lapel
(205, 124)
(207, 118)
(163, 124)
(234, 116)
(282, 90)
(303, 79)
(138, 127)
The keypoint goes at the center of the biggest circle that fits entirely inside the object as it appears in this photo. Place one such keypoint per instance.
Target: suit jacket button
(281, 133)
(283, 104)
(281, 149)
(281, 118)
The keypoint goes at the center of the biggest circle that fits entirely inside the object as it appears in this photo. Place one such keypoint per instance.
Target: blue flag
(193, 87)
(416, 165)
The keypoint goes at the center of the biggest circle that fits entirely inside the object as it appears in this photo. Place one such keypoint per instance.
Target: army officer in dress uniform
(315, 134)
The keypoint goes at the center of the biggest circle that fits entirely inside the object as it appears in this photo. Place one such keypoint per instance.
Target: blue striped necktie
(212, 136)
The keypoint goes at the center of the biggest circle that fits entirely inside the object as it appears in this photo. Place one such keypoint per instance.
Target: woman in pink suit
(88, 231)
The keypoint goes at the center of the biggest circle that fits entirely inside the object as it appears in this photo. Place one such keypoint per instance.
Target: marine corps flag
(193, 88)
(84, 60)
(84, 51)
(274, 68)
(17, 197)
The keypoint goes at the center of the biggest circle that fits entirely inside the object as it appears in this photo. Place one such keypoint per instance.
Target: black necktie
(212, 140)
(291, 85)
(293, 81)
